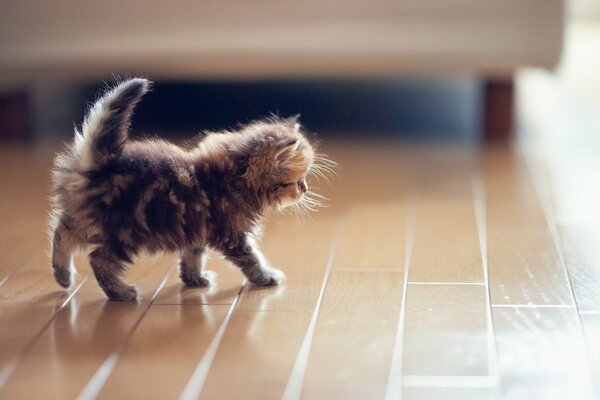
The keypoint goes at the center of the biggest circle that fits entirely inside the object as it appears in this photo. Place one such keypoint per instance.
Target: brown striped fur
(115, 197)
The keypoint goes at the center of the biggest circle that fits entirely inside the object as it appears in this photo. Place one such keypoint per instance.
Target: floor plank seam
(14, 363)
(293, 388)
(447, 283)
(549, 214)
(395, 379)
(451, 381)
(195, 384)
(533, 306)
(97, 381)
(590, 312)
(479, 197)
(23, 262)
(367, 269)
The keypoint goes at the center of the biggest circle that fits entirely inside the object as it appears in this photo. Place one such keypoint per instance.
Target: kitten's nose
(302, 186)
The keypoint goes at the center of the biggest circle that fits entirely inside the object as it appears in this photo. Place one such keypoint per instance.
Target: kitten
(118, 197)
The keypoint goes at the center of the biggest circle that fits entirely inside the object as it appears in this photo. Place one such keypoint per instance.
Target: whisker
(324, 164)
(323, 172)
(324, 168)
(325, 159)
(320, 175)
(306, 213)
(320, 196)
(313, 203)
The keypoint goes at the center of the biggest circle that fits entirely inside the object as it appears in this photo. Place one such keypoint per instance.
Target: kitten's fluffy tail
(105, 128)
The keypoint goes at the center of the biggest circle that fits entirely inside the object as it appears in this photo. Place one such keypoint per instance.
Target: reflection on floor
(436, 272)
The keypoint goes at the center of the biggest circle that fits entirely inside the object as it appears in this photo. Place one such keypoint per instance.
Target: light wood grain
(18, 243)
(223, 290)
(302, 252)
(524, 264)
(67, 354)
(591, 326)
(28, 301)
(448, 393)
(23, 206)
(164, 351)
(382, 192)
(446, 245)
(445, 331)
(256, 355)
(369, 172)
(525, 269)
(581, 246)
(355, 335)
(374, 237)
(541, 353)
(268, 325)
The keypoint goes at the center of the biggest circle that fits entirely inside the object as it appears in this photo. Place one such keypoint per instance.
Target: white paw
(205, 279)
(266, 277)
(277, 275)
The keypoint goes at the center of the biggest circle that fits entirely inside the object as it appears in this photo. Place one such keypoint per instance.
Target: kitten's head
(280, 162)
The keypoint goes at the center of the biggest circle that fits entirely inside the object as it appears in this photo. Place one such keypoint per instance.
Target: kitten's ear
(285, 147)
(294, 121)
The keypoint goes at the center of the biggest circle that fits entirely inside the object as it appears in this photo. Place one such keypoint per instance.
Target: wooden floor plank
(189, 318)
(305, 251)
(253, 349)
(445, 331)
(443, 351)
(223, 290)
(83, 335)
(302, 253)
(446, 245)
(591, 326)
(581, 247)
(355, 335)
(28, 302)
(525, 269)
(373, 237)
(163, 352)
(256, 355)
(524, 265)
(24, 181)
(448, 393)
(19, 240)
(368, 172)
(541, 353)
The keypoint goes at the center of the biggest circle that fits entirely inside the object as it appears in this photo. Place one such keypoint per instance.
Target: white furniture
(188, 38)
(71, 40)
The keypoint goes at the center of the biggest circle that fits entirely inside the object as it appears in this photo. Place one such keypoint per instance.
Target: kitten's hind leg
(107, 267)
(191, 266)
(64, 244)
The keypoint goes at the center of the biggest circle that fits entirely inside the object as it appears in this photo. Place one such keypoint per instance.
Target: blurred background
(413, 68)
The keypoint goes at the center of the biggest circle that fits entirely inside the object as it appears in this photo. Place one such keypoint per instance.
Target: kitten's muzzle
(302, 186)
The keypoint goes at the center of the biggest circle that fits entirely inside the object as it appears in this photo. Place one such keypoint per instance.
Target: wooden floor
(436, 273)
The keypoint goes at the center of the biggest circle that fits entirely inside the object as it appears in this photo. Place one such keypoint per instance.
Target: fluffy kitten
(117, 196)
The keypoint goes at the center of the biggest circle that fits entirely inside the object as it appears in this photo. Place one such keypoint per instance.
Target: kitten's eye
(284, 185)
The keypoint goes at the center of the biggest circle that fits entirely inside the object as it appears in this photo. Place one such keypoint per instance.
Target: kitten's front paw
(266, 277)
(203, 280)
(126, 293)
